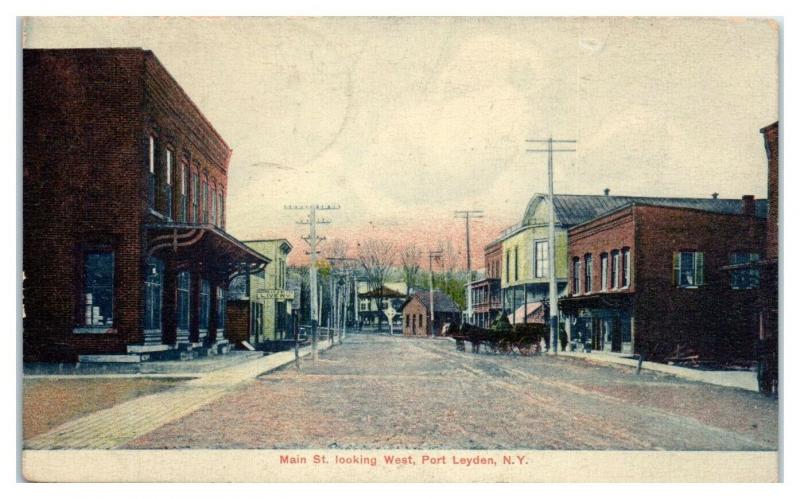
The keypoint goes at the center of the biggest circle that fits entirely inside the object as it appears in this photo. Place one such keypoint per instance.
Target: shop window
(220, 308)
(688, 269)
(184, 300)
(205, 303)
(748, 277)
(98, 288)
(153, 285)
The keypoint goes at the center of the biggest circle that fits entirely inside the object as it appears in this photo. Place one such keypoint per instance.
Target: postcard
(508, 249)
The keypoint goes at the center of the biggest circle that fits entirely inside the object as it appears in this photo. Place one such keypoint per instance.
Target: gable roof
(573, 209)
(382, 292)
(442, 302)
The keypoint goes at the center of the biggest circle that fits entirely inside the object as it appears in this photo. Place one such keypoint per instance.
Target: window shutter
(676, 268)
(700, 269)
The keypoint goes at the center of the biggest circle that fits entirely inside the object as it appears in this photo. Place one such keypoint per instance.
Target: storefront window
(98, 288)
(205, 303)
(153, 284)
(184, 300)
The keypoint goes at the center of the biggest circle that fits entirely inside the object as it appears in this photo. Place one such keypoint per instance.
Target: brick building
(486, 302)
(124, 184)
(650, 278)
(416, 313)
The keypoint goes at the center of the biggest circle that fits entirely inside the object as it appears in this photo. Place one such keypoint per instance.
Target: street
(403, 393)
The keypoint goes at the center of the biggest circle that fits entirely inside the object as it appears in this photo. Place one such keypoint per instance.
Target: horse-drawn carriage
(524, 339)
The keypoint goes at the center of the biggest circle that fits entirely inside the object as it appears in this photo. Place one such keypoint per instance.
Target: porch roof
(203, 242)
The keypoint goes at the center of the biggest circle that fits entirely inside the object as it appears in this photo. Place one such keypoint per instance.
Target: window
(220, 308)
(205, 303)
(516, 263)
(587, 281)
(508, 265)
(604, 271)
(184, 300)
(98, 288)
(614, 269)
(184, 198)
(153, 284)
(151, 175)
(748, 277)
(414, 319)
(213, 205)
(168, 185)
(688, 269)
(195, 196)
(576, 276)
(541, 259)
(626, 267)
(204, 199)
(221, 206)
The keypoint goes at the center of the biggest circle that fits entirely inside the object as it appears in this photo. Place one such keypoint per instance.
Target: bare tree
(410, 259)
(376, 259)
(337, 249)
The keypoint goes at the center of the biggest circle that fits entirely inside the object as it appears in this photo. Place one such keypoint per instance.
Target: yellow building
(269, 295)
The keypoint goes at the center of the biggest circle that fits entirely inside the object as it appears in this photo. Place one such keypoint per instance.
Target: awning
(205, 244)
(596, 300)
(535, 314)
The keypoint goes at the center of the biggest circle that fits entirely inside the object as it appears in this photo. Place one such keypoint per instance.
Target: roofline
(214, 230)
(152, 54)
(633, 204)
(285, 241)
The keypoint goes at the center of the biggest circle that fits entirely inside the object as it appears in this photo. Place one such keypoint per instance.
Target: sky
(402, 121)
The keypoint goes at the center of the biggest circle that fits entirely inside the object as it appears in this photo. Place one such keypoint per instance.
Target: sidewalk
(113, 427)
(746, 380)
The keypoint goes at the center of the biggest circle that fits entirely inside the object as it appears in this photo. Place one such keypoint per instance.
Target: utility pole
(551, 244)
(312, 239)
(466, 215)
(431, 256)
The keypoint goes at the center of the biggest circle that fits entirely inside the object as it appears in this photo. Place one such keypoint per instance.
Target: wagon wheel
(505, 346)
(526, 347)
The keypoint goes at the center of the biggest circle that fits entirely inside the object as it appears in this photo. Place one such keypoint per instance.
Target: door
(153, 286)
(616, 334)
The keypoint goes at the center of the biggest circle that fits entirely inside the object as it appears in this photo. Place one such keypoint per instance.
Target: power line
(313, 239)
(551, 244)
(466, 215)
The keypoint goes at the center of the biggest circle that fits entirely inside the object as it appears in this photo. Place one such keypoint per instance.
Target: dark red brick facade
(87, 118)
(711, 319)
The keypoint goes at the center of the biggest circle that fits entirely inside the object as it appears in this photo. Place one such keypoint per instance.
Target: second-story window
(604, 271)
(614, 269)
(213, 207)
(626, 267)
(588, 268)
(221, 206)
(184, 202)
(168, 184)
(195, 197)
(576, 276)
(204, 199)
(516, 263)
(541, 259)
(151, 172)
(747, 275)
(688, 269)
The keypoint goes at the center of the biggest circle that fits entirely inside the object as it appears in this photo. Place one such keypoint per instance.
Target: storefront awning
(532, 313)
(205, 244)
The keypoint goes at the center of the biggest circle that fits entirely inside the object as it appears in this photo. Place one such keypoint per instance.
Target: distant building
(372, 302)
(649, 278)
(260, 305)
(486, 296)
(416, 313)
(124, 180)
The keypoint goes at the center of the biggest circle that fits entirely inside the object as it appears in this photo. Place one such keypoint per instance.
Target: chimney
(606, 191)
(715, 195)
(749, 205)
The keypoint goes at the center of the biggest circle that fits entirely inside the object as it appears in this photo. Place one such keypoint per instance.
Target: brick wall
(771, 144)
(237, 327)
(415, 307)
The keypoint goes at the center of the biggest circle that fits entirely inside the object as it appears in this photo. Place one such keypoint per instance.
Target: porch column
(212, 311)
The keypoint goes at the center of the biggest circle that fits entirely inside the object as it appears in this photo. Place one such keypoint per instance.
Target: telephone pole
(551, 244)
(431, 256)
(312, 239)
(466, 215)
